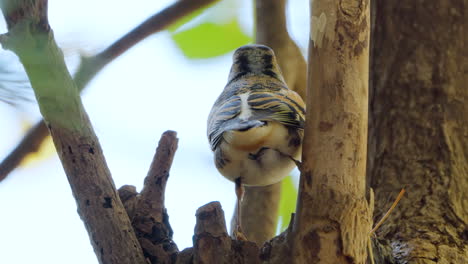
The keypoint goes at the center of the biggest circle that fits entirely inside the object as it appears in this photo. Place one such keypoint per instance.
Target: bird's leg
(238, 234)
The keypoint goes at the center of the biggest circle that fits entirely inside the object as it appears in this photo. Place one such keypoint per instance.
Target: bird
(256, 125)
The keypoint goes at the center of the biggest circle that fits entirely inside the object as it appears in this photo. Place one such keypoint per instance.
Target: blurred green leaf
(287, 202)
(210, 40)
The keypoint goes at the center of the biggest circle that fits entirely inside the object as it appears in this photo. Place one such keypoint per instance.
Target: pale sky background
(148, 90)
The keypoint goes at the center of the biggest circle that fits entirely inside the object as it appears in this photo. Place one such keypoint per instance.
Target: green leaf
(210, 39)
(287, 204)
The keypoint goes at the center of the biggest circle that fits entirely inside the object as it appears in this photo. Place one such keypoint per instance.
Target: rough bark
(333, 217)
(418, 128)
(149, 218)
(98, 203)
(259, 208)
(31, 38)
(211, 242)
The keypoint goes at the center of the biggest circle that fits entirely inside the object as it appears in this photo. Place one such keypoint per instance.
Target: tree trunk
(333, 216)
(418, 135)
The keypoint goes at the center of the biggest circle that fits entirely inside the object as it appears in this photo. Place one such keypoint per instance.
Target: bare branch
(213, 245)
(29, 144)
(212, 240)
(272, 31)
(151, 202)
(259, 212)
(90, 66)
(150, 220)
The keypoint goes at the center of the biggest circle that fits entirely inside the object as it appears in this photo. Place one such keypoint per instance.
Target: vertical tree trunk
(418, 135)
(333, 217)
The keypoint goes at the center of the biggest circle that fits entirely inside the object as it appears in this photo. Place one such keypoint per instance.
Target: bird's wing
(284, 106)
(221, 113)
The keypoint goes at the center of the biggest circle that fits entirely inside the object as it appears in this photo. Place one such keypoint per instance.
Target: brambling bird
(256, 125)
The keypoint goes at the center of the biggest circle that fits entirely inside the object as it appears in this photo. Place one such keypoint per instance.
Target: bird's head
(254, 59)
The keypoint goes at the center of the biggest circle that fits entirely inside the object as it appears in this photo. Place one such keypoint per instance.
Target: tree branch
(259, 212)
(272, 31)
(99, 206)
(30, 143)
(91, 66)
(150, 220)
(213, 245)
(211, 240)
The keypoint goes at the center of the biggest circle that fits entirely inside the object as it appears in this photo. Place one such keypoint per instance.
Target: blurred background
(169, 81)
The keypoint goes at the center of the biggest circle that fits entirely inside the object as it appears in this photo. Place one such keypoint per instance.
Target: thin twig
(29, 144)
(90, 66)
(387, 214)
(369, 244)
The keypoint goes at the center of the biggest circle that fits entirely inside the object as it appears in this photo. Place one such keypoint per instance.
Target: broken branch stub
(150, 220)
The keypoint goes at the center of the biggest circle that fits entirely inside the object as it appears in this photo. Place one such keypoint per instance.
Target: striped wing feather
(284, 106)
(219, 116)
